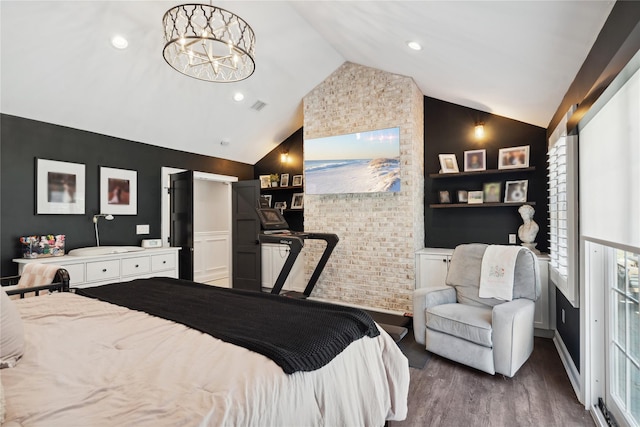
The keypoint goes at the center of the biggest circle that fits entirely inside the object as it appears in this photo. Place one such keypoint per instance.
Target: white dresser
(85, 271)
(432, 265)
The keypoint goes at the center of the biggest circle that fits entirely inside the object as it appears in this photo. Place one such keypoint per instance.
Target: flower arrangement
(42, 246)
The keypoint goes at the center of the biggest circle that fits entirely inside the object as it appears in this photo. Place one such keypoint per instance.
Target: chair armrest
(512, 324)
(424, 298)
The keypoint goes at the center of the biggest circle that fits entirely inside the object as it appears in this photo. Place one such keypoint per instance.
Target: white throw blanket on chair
(497, 272)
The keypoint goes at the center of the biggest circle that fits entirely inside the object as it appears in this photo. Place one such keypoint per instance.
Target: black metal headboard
(60, 284)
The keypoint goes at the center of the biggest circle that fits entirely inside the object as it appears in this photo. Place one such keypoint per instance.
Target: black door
(181, 217)
(245, 230)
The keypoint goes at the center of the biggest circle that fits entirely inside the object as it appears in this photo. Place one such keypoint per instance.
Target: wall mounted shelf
(478, 205)
(485, 172)
(267, 189)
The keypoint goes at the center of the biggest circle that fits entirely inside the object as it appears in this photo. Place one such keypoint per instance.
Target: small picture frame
(265, 201)
(513, 157)
(475, 197)
(475, 160)
(281, 206)
(265, 181)
(118, 191)
(448, 163)
(444, 197)
(491, 192)
(463, 196)
(297, 201)
(516, 191)
(297, 181)
(284, 180)
(60, 187)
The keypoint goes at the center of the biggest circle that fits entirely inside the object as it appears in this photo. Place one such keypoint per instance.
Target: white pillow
(11, 333)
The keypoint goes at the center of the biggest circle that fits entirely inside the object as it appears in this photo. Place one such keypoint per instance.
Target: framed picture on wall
(60, 187)
(297, 181)
(491, 192)
(284, 180)
(475, 197)
(462, 196)
(265, 181)
(297, 201)
(444, 197)
(448, 163)
(516, 191)
(513, 157)
(265, 201)
(118, 191)
(475, 160)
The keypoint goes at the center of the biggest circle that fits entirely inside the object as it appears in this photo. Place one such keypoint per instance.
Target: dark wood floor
(447, 394)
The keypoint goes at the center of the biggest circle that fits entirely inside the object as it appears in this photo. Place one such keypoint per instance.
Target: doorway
(212, 250)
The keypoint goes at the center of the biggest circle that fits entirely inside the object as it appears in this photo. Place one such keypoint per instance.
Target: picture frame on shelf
(444, 196)
(475, 197)
(265, 200)
(284, 180)
(448, 163)
(463, 196)
(118, 191)
(297, 181)
(513, 157)
(475, 160)
(516, 191)
(491, 192)
(297, 201)
(281, 206)
(265, 181)
(60, 187)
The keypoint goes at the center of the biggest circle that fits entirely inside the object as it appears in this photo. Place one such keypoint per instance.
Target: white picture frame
(284, 180)
(475, 197)
(297, 181)
(513, 157)
(297, 201)
(516, 191)
(118, 191)
(491, 192)
(448, 163)
(475, 160)
(60, 187)
(265, 181)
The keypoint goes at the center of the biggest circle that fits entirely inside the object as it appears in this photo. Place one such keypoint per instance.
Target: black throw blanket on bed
(298, 335)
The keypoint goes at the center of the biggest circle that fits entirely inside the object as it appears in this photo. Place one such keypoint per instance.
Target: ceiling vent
(259, 105)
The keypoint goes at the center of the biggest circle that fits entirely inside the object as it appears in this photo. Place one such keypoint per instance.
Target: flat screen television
(362, 162)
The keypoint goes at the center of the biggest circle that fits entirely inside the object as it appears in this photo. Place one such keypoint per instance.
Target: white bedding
(90, 363)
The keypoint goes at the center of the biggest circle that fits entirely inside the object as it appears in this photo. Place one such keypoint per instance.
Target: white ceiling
(516, 59)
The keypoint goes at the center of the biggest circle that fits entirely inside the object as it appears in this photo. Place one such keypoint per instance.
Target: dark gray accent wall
(23, 140)
(448, 129)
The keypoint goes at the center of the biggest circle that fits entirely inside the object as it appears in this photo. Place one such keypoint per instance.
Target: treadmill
(275, 229)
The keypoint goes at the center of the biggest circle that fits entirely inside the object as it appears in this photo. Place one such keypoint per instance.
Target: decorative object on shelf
(274, 178)
(284, 180)
(281, 205)
(42, 246)
(513, 157)
(297, 201)
(478, 130)
(529, 229)
(265, 181)
(515, 191)
(208, 43)
(297, 181)
(60, 187)
(265, 201)
(491, 192)
(96, 217)
(118, 191)
(475, 160)
(462, 196)
(448, 163)
(475, 197)
(444, 197)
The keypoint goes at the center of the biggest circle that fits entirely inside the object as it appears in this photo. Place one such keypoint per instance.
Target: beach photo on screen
(363, 162)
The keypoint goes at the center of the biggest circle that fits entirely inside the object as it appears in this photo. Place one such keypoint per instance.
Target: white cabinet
(432, 265)
(85, 271)
(273, 258)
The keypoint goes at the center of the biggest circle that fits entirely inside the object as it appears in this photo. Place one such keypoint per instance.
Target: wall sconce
(478, 130)
(284, 156)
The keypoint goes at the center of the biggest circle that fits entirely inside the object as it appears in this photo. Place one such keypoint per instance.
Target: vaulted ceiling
(514, 59)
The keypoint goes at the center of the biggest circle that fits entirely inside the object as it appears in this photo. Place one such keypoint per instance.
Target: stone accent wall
(373, 264)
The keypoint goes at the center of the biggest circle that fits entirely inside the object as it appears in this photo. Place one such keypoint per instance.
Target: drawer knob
(104, 270)
(137, 266)
(164, 262)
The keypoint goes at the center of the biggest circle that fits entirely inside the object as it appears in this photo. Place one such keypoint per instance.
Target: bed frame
(60, 284)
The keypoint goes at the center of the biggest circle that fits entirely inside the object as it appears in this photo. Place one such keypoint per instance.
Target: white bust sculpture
(528, 231)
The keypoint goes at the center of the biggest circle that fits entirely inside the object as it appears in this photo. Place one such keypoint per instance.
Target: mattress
(91, 363)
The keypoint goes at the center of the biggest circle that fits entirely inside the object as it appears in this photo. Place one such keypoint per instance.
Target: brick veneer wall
(373, 264)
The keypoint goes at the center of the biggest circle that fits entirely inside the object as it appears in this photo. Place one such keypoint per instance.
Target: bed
(91, 362)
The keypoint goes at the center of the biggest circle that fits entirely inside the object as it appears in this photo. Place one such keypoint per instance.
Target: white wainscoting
(211, 255)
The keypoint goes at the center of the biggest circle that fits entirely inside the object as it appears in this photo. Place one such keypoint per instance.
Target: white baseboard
(569, 366)
(361, 307)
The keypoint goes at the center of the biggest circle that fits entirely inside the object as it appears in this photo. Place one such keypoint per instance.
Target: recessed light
(238, 96)
(119, 42)
(414, 45)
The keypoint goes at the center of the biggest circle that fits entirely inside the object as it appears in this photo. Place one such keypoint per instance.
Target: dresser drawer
(103, 270)
(134, 266)
(163, 262)
(76, 273)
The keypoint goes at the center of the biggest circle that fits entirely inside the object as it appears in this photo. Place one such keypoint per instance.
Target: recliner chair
(488, 334)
